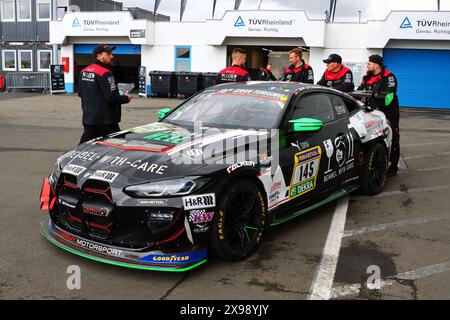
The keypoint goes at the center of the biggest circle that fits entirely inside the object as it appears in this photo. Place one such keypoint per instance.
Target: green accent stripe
(315, 206)
(121, 264)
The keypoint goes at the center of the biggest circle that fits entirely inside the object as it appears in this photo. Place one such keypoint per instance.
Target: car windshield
(232, 108)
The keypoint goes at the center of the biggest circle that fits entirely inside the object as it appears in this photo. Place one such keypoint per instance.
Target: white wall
(208, 58)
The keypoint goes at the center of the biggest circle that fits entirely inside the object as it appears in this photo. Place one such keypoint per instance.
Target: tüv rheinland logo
(406, 24)
(76, 23)
(239, 22)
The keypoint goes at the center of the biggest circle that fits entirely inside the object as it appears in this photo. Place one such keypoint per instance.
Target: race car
(213, 174)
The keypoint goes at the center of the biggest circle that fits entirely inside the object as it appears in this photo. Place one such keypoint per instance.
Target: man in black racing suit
(100, 99)
(337, 76)
(298, 71)
(381, 81)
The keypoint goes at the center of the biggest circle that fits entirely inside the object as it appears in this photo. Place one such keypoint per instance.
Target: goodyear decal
(305, 172)
(174, 259)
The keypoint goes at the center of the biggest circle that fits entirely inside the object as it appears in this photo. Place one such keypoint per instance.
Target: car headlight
(167, 188)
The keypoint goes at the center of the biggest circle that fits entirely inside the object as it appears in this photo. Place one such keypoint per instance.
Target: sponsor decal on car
(220, 225)
(152, 203)
(106, 176)
(200, 216)
(174, 259)
(100, 212)
(136, 164)
(275, 186)
(82, 155)
(305, 172)
(241, 164)
(199, 228)
(200, 201)
(90, 245)
(73, 169)
(67, 204)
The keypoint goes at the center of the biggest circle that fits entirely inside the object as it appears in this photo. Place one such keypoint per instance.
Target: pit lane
(403, 231)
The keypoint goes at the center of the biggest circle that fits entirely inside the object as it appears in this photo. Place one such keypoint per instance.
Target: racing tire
(374, 171)
(239, 222)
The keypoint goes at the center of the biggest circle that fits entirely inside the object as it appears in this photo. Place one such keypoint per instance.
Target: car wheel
(239, 223)
(374, 171)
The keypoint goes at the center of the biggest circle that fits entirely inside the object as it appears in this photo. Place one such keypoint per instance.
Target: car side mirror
(306, 125)
(162, 113)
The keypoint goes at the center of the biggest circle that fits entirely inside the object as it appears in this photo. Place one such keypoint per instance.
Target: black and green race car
(211, 175)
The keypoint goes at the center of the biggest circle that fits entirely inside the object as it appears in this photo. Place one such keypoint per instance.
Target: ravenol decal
(239, 22)
(406, 24)
(76, 23)
(305, 172)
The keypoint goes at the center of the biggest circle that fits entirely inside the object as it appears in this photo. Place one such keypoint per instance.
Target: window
(339, 106)
(43, 10)
(44, 60)
(24, 10)
(7, 10)
(25, 60)
(183, 58)
(61, 11)
(9, 60)
(314, 105)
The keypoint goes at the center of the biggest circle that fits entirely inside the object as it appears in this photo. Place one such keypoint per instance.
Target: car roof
(286, 88)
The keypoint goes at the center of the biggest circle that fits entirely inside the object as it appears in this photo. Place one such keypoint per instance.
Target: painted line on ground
(394, 225)
(424, 144)
(443, 135)
(427, 155)
(324, 277)
(432, 169)
(396, 193)
(353, 289)
(402, 164)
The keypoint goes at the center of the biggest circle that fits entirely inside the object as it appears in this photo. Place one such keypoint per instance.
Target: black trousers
(395, 152)
(91, 132)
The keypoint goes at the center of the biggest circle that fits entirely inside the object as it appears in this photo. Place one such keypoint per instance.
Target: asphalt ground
(402, 234)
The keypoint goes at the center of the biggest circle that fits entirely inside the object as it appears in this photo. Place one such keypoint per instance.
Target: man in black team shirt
(265, 74)
(298, 71)
(337, 76)
(100, 99)
(383, 82)
(235, 72)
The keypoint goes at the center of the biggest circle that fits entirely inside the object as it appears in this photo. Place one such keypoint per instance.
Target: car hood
(156, 151)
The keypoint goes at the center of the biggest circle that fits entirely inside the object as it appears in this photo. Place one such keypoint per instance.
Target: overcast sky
(346, 10)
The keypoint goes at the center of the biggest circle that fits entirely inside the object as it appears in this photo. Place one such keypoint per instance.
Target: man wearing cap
(383, 82)
(100, 98)
(337, 76)
(298, 71)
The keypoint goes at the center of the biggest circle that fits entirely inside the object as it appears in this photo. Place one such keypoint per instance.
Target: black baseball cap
(375, 58)
(103, 48)
(333, 58)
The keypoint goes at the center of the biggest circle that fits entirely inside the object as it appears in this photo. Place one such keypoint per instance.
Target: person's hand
(128, 96)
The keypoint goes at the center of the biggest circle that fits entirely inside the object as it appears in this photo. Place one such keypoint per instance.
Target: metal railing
(27, 81)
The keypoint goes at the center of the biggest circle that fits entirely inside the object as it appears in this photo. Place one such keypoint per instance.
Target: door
(304, 160)
(422, 86)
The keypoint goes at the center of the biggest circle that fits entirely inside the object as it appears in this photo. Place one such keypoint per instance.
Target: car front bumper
(155, 260)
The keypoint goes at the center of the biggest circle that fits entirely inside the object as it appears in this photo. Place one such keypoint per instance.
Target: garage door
(423, 76)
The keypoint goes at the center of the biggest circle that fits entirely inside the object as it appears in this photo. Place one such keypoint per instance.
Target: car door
(306, 158)
(347, 146)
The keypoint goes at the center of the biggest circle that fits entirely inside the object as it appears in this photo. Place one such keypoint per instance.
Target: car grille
(90, 212)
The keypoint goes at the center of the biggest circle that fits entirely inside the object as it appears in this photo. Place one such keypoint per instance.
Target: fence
(27, 80)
